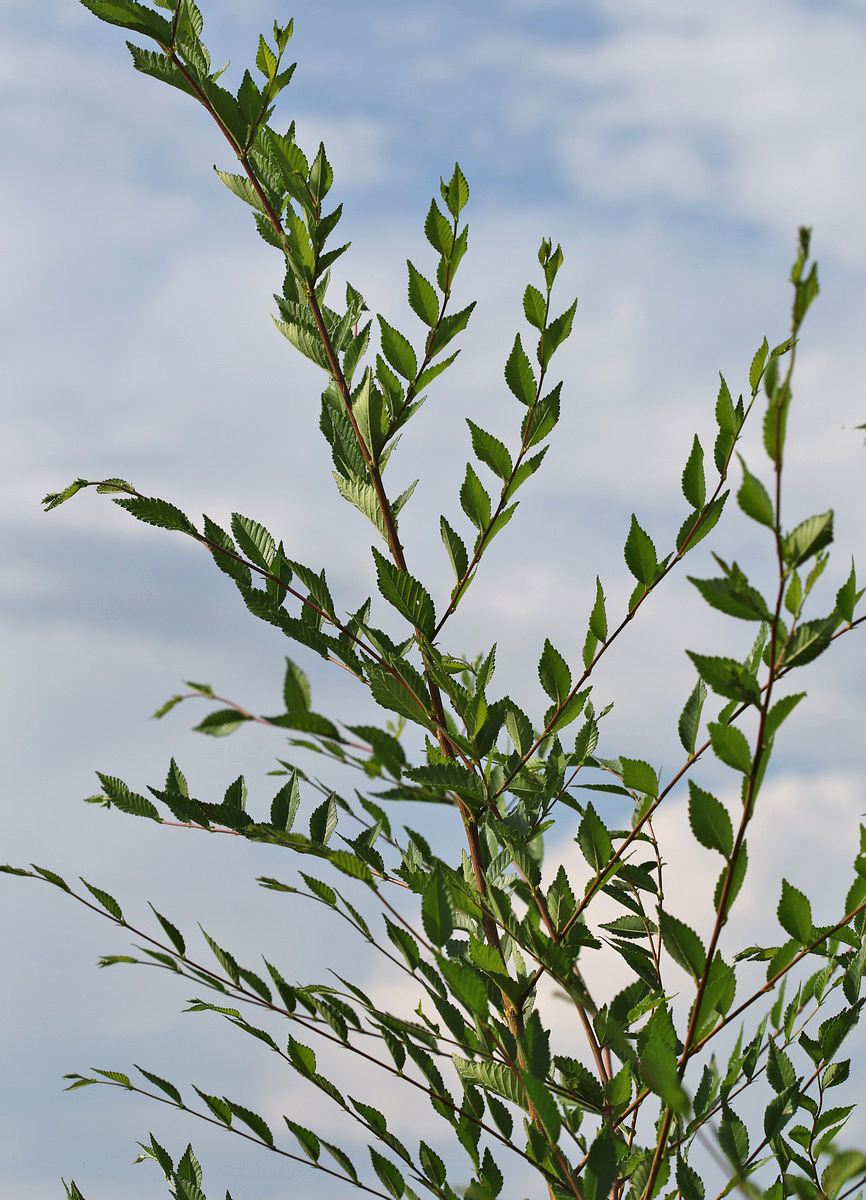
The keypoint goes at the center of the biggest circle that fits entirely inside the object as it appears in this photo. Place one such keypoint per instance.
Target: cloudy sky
(673, 149)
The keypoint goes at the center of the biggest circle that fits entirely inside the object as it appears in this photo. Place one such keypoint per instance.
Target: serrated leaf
(734, 596)
(398, 351)
(694, 480)
(598, 617)
(257, 1124)
(456, 549)
(406, 594)
(474, 500)
(130, 802)
(254, 541)
(731, 747)
(390, 693)
(154, 511)
(422, 297)
(388, 1174)
(639, 776)
(456, 192)
(640, 554)
(690, 717)
(519, 375)
(808, 641)
(163, 1085)
(222, 722)
(108, 902)
(754, 500)
(437, 909)
(795, 914)
(323, 821)
(809, 537)
(683, 944)
(174, 934)
(132, 16)
(709, 821)
(727, 677)
(554, 674)
(594, 840)
(491, 451)
(534, 307)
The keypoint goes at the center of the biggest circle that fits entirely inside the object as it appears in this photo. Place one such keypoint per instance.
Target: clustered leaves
(477, 934)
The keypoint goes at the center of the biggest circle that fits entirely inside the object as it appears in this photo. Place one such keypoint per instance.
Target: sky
(673, 150)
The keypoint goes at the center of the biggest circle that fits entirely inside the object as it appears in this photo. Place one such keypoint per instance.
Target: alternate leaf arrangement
(479, 934)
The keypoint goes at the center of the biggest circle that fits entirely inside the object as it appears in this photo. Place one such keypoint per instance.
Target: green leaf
(392, 694)
(689, 1182)
(598, 617)
(296, 688)
(398, 351)
(558, 331)
(422, 297)
(795, 914)
(545, 1106)
(222, 722)
(108, 902)
(519, 375)
(731, 747)
(698, 524)
(554, 674)
(780, 711)
(738, 874)
(447, 329)
(252, 1119)
(388, 1174)
(130, 802)
(640, 554)
(810, 537)
(725, 414)
(130, 15)
(594, 840)
(733, 596)
(709, 821)
(808, 641)
(474, 500)
(542, 418)
(727, 677)
(780, 1069)
(406, 594)
(534, 307)
(733, 1137)
(491, 451)
(757, 368)
(438, 230)
(157, 512)
(163, 1085)
(254, 541)
(683, 945)
(239, 185)
(456, 549)
(690, 717)
(694, 481)
(363, 496)
(848, 597)
(323, 821)
(437, 909)
(845, 1166)
(754, 500)
(639, 776)
(456, 192)
(174, 934)
(307, 1140)
(155, 64)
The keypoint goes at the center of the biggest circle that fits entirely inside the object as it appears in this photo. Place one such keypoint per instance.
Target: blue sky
(673, 150)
